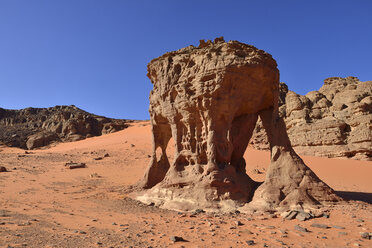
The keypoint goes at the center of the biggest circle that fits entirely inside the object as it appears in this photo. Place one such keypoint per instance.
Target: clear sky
(94, 53)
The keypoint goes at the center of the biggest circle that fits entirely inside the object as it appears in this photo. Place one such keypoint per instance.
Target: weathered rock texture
(335, 121)
(207, 99)
(36, 127)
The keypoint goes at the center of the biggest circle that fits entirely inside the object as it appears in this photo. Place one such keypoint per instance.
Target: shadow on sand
(356, 196)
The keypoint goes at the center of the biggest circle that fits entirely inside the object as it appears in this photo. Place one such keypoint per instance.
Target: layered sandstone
(335, 121)
(208, 99)
(36, 127)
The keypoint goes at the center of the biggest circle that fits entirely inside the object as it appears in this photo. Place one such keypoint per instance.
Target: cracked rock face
(208, 99)
(334, 121)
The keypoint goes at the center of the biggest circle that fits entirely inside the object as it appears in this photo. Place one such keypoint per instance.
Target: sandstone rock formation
(36, 127)
(335, 121)
(208, 99)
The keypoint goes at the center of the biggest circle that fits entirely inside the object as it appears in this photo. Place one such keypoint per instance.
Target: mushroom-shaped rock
(208, 99)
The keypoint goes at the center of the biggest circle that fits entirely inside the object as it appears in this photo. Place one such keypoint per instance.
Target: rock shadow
(356, 196)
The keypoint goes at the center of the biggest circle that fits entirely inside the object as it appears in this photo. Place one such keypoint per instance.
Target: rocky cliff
(36, 127)
(335, 121)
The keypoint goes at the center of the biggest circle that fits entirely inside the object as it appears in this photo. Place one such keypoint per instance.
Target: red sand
(43, 204)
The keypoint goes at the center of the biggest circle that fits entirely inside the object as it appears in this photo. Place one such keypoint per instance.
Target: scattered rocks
(198, 211)
(298, 214)
(75, 165)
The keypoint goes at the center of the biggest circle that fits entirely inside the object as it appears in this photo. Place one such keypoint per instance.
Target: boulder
(40, 139)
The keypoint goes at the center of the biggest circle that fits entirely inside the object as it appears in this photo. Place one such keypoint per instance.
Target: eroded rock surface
(208, 99)
(36, 127)
(335, 121)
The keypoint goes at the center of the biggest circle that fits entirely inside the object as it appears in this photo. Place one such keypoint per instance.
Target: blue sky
(94, 54)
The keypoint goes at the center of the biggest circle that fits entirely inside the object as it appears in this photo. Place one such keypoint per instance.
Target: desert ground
(45, 204)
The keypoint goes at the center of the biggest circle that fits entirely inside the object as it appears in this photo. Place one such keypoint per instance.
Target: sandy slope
(42, 204)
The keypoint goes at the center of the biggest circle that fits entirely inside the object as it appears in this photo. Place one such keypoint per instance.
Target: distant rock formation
(31, 128)
(335, 121)
(208, 99)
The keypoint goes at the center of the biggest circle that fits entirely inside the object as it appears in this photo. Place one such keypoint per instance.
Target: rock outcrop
(208, 99)
(335, 121)
(36, 127)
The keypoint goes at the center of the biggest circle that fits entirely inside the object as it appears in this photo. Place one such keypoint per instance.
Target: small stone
(250, 242)
(198, 211)
(291, 215)
(75, 165)
(300, 228)
(320, 225)
(360, 220)
(176, 239)
(247, 231)
(302, 216)
(106, 155)
(338, 227)
(356, 244)
(280, 242)
(238, 223)
(365, 235)
(82, 232)
(3, 169)
(326, 215)
(114, 223)
(342, 233)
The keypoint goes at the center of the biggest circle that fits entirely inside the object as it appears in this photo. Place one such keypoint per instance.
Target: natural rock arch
(208, 98)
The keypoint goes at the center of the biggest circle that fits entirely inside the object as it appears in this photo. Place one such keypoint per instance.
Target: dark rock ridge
(335, 121)
(30, 128)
